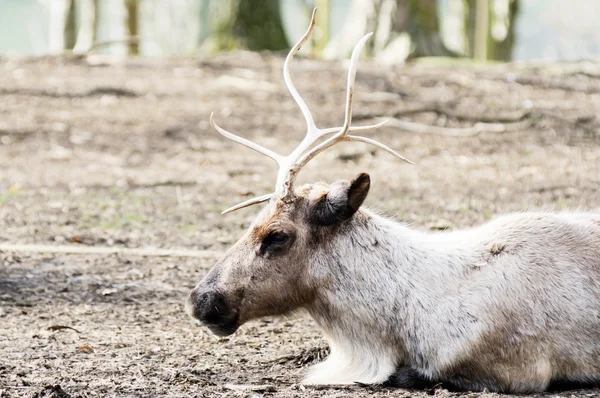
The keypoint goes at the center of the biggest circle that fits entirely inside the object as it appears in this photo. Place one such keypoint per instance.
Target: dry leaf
(88, 349)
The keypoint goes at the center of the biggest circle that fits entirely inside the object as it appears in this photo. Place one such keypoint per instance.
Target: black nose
(209, 307)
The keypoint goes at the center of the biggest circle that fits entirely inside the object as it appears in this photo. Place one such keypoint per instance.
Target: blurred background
(477, 29)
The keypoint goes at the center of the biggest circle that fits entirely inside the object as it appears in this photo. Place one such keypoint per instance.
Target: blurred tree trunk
(223, 14)
(95, 21)
(70, 27)
(132, 25)
(495, 48)
(241, 23)
(502, 50)
(482, 29)
(86, 31)
(402, 29)
(469, 24)
(424, 29)
(260, 28)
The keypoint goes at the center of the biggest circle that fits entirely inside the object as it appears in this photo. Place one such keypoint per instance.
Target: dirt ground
(104, 154)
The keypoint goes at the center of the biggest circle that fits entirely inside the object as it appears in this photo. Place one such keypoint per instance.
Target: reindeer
(509, 306)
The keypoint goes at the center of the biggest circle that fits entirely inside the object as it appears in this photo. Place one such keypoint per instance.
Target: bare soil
(105, 154)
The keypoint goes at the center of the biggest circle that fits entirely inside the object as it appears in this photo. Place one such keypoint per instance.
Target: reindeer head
(270, 271)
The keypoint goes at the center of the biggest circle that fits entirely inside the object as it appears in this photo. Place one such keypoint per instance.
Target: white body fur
(510, 306)
(518, 297)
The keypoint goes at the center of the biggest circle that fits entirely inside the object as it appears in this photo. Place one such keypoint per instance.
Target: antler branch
(310, 124)
(290, 166)
(247, 143)
(249, 202)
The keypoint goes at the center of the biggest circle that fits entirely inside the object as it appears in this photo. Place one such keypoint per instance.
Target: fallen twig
(251, 387)
(96, 91)
(476, 129)
(552, 84)
(145, 252)
(61, 327)
(506, 117)
(443, 109)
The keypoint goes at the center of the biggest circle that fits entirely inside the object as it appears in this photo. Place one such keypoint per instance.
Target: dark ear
(359, 189)
(341, 202)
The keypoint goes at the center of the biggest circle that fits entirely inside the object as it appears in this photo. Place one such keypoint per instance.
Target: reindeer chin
(225, 328)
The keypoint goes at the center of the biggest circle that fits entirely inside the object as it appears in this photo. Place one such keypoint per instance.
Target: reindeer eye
(278, 238)
(275, 242)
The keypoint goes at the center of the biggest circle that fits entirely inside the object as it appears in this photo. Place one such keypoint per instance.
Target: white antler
(290, 166)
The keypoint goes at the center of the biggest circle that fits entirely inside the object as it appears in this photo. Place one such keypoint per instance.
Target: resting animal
(510, 306)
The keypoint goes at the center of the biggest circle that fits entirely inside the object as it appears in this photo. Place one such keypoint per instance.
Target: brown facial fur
(262, 281)
(278, 220)
(262, 278)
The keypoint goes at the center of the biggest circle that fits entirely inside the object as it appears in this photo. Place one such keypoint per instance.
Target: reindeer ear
(359, 189)
(341, 202)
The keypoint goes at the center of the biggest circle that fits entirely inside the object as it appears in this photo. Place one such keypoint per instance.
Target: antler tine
(249, 202)
(378, 145)
(243, 141)
(365, 139)
(331, 130)
(288, 80)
